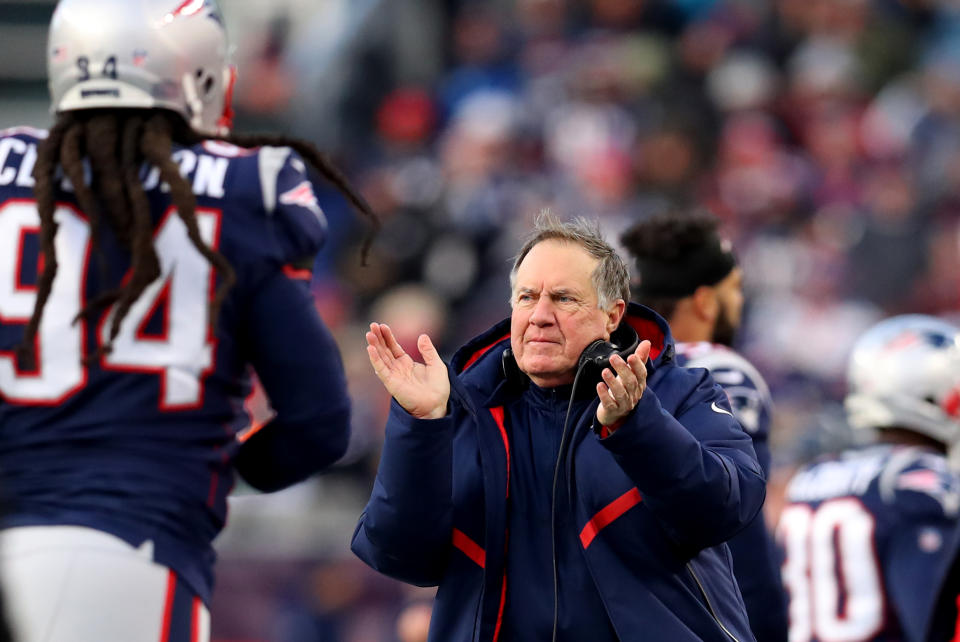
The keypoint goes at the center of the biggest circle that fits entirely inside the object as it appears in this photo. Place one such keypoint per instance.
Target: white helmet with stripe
(904, 372)
(167, 54)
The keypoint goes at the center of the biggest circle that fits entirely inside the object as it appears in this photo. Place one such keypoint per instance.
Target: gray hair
(610, 279)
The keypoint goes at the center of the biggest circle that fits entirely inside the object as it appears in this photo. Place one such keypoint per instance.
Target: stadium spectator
(865, 531)
(151, 259)
(539, 463)
(689, 275)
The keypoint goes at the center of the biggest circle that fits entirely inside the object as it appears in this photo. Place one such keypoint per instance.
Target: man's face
(555, 314)
(730, 303)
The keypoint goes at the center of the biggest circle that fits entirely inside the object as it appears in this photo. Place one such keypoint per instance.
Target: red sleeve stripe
(606, 431)
(469, 548)
(608, 514)
(168, 606)
(297, 273)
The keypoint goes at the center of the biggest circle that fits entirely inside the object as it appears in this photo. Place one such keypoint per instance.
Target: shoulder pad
(733, 368)
(911, 474)
(289, 198)
(745, 387)
(272, 184)
(18, 156)
(24, 132)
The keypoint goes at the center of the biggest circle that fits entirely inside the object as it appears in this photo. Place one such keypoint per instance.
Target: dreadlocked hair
(116, 143)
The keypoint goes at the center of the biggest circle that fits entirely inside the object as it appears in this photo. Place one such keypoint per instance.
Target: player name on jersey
(835, 479)
(206, 172)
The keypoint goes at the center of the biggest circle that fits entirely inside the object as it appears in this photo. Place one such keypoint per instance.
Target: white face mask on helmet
(904, 372)
(169, 54)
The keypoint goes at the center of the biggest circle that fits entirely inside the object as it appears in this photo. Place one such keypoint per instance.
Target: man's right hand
(421, 388)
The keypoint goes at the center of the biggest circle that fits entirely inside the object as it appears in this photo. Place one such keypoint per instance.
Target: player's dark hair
(669, 236)
(675, 252)
(115, 144)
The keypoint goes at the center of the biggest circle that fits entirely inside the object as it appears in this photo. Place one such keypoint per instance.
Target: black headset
(596, 356)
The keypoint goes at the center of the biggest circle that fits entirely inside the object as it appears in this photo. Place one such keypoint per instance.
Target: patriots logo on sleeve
(924, 481)
(303, 196)
(941, 486)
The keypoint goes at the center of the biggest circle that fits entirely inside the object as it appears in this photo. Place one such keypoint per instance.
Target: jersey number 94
(181, 354)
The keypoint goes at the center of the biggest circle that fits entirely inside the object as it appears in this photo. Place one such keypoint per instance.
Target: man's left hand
(620, 392)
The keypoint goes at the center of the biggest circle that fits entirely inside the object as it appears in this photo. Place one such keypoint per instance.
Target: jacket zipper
(709, 603)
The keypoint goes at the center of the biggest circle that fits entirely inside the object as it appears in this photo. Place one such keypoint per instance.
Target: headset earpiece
(596, 356)
(511, 371)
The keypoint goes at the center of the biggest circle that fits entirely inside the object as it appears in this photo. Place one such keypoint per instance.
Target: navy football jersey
(754, 555)
(140, 443)
(745, 387)
(865, 536)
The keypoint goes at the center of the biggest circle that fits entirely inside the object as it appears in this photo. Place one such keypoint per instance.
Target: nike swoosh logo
(714, 407)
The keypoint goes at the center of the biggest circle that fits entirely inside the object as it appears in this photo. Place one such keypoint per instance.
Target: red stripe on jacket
(498, 417)
(608, 514)
(469, 547)
(503, 602)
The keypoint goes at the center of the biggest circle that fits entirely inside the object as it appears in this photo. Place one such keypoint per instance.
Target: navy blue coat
(654, 502)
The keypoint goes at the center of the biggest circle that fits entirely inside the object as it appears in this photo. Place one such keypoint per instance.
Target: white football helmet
(170, 54)
(904, 372)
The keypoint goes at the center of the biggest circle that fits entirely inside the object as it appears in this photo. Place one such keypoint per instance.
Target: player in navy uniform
(865, 531)
(145, 270)
(688, 274)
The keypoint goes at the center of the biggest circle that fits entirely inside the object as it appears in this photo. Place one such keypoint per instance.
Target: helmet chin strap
(225, 122)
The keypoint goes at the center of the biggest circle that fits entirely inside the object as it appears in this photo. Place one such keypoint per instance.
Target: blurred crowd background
(825, 134)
